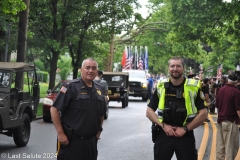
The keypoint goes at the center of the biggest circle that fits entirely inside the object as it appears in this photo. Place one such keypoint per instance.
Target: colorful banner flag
(146, 58)
(124, 57)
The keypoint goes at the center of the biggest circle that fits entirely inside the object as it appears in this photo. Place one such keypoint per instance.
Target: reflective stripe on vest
(191, 87)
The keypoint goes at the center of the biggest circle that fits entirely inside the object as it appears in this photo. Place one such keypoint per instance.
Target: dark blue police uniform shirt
(81, 107)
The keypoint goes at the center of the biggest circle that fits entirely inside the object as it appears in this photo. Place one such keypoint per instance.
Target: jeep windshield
(4, 79)
(114, 80)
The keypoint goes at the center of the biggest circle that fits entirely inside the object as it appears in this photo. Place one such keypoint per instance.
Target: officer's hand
(169, 130)
(179, 132)
(98, 135)
(62, 138)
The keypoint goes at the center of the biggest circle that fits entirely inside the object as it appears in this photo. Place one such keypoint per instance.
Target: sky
(143, 10)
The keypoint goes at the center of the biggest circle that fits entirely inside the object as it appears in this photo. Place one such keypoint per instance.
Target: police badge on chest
(178, 93)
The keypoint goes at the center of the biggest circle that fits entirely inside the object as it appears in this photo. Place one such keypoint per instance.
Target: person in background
(238, 83)
(222, 82)
(213, 87)
(150, 86)
(228, 106)
(102, 82)
(104, 85)
(205, 90)
(78, 113)
(178, 113)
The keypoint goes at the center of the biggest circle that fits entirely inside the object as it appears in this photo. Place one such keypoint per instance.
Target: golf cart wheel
(21, 135)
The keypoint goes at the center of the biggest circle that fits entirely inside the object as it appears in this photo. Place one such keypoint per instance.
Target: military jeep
(18, 107)
(117, 86)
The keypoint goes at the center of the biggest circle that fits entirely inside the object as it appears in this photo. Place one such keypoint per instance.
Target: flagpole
(136, 52)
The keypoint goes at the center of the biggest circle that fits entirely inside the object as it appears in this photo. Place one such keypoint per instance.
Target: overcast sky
(143, 10)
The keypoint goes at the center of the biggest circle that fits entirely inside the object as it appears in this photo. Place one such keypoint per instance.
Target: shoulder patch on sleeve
(63, 89)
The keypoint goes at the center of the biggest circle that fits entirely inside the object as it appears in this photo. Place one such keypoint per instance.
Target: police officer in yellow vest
(180, 108)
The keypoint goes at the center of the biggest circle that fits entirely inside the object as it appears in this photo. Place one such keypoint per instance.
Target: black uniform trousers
(184, 147)
(79, 149)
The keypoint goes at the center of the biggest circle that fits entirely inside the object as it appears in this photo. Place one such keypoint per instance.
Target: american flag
(141, 60)
(140, 63)
(129, 59)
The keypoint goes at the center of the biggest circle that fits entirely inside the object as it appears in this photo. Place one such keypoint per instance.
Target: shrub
(42, 76)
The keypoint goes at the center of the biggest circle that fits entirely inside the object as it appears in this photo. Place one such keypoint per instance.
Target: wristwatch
(101, 129)
(185, 128)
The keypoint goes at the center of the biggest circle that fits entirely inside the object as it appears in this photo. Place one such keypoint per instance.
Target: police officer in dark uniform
(180, 108)
(78, 113)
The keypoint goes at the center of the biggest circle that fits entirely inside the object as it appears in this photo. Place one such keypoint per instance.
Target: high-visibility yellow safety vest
(191, 87)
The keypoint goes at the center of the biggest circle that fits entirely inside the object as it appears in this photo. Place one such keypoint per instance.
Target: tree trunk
(53, 70)
(75, 72)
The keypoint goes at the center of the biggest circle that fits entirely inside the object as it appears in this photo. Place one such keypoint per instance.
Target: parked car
(117, 86)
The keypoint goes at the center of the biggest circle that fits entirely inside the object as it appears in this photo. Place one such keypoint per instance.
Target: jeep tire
(21, 135)
(124, 101)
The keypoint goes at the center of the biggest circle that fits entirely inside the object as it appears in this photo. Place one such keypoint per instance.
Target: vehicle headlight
(47, 101)
(144, 85)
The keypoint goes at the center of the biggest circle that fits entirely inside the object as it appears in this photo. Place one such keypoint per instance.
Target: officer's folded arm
(198, 120)
(152, 116)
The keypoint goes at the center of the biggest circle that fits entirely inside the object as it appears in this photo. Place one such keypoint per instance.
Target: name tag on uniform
(82, 92)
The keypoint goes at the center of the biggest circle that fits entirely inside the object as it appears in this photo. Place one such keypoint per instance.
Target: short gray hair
(91, 59)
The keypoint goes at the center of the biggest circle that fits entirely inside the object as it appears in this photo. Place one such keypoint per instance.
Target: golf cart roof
(115, 73)
(16, 66)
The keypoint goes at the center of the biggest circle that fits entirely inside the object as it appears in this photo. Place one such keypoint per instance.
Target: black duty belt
(81, 137)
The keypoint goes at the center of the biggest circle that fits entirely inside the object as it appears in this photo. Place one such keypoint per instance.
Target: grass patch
(39, 110)
(43, 89)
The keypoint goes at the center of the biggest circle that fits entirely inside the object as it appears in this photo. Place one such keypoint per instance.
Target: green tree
(73, 26)
(8, 22)
(64, 66)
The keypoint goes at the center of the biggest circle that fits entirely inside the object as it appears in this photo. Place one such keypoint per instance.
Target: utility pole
(7, 41)
(110, 58)
(111, 51)
(22, 41)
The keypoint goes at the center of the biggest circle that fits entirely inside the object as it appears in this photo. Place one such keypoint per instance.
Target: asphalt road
(126, 136)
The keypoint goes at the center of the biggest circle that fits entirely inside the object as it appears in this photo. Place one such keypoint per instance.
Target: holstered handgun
(155, 132)
(68, 131)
